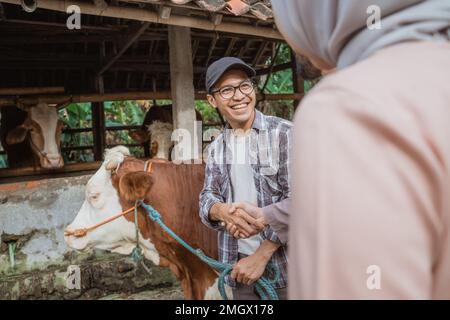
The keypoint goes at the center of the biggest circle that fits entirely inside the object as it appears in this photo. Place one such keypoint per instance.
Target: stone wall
(34, 257)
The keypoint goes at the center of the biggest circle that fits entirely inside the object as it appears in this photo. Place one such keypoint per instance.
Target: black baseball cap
(219, 67)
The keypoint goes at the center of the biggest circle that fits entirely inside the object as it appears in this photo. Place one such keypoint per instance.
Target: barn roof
(261, 9)
(38, 50)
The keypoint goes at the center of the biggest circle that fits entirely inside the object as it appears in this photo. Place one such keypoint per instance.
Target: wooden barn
(131, 50)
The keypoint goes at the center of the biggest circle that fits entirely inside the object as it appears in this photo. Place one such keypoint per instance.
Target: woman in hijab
(370, 211)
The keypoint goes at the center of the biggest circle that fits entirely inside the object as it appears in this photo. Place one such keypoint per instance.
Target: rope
(83, 231)
(263, 286)
(136, 254)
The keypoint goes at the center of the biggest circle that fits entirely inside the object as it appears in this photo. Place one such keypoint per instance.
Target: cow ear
(135, 185)
(17, 135)
(140, 136)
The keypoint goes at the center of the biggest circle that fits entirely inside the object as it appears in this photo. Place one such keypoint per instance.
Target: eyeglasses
(228, 92)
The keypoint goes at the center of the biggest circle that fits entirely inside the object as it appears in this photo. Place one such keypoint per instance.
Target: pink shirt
(370, 214)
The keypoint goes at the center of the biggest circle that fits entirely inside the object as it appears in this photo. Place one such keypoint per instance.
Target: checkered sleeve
(210, 194)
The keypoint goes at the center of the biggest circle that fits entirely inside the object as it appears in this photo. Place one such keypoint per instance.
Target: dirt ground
(169, 293)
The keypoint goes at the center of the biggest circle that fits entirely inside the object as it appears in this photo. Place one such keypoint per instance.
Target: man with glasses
(248, 162)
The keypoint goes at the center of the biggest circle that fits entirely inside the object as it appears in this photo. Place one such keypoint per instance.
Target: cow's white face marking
(213, 293)
(161, 133)
(102, 202)
(47, 118)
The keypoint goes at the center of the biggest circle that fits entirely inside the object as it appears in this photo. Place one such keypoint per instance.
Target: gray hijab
(336, 30)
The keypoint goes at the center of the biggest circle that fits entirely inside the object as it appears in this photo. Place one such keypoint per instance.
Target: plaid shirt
(269, 155)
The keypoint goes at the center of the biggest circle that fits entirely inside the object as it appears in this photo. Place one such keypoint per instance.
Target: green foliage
(209, 114)
(119, 113)
(77, 115)
(281, 81)
(3, 161)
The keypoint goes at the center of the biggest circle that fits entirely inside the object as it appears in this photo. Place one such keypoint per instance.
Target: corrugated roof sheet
(261, 9)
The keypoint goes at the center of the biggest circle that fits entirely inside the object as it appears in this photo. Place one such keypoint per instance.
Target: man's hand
(245, 224)
(252, 210)
(250, 269)
(251, 214)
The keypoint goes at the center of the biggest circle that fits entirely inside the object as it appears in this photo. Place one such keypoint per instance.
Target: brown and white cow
(173, 190)
(32, 133)
(155, 133)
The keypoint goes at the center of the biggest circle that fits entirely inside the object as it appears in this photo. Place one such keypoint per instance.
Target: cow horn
(28, 5)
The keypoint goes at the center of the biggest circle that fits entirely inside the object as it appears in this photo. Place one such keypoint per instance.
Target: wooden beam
(122, 96)
(244, 49)
(98, 129)
(148, 16)
(210, 51)
(182, 89)
(259, 54)
(33, 171)
(133, 35)
(230, 47)
(30, 90)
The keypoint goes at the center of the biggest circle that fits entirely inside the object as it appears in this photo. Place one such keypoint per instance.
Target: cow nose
(54, 161)
(74, 242)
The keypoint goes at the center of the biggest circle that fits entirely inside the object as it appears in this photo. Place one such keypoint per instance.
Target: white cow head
(161, 139)
(44, 127)
(102, 202)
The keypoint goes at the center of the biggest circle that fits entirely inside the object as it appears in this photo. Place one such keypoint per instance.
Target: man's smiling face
(239, 110)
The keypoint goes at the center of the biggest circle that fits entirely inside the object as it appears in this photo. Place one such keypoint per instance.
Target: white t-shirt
(243, 185)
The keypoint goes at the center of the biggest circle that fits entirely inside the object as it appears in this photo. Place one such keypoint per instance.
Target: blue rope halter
(263, 286)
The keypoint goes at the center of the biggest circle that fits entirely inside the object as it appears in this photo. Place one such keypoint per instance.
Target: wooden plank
(31, 171)
(30, 90)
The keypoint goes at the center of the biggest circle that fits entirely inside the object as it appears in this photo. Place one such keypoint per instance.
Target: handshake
(241, 219)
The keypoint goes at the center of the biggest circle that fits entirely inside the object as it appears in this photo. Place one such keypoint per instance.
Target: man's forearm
(277, 216)
(267, 249)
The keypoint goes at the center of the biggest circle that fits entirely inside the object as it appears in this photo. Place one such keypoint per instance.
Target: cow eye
(94, 196)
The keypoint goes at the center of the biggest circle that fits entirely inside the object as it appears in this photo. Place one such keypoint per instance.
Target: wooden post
(98, 113)
(297, 80)
(98, 129)
(183, 95)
